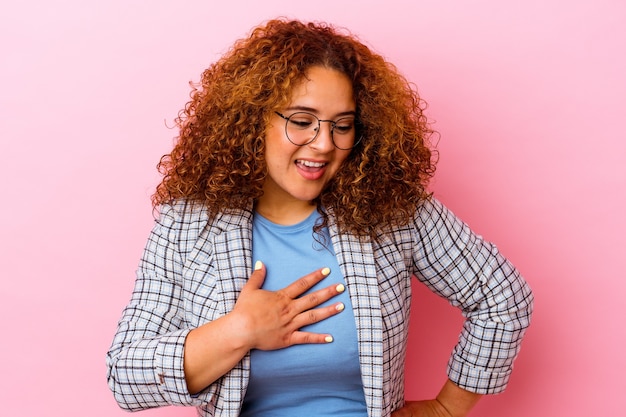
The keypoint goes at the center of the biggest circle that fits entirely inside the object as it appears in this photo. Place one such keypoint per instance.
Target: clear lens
(302, 128)
(343, 133)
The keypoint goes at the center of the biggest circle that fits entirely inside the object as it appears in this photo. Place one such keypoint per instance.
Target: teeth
(312, 164)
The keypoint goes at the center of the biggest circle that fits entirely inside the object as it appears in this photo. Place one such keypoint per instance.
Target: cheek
(273, 143)
(278, 151)
(343, 156)
(340, 161)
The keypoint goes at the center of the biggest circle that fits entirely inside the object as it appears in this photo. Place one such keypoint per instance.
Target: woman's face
(299, 173)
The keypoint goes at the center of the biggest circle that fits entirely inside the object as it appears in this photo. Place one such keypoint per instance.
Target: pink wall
(528, 97)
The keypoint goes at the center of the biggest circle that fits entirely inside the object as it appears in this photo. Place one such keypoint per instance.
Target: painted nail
(340, 307)
(326, 272)
(258, 265)
(340, 288)
(328, 339)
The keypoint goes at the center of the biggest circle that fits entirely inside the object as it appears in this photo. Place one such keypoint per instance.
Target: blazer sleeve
(145, 361)
(496, 301)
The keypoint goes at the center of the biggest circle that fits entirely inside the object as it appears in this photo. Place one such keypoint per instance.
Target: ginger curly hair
(218, 159)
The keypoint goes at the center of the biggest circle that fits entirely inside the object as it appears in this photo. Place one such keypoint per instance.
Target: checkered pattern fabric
(193, 269)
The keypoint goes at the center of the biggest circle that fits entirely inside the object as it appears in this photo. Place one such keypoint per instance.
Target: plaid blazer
(193, 269)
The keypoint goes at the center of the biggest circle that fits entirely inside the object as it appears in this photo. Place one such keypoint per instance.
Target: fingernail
(340, 288)
(340, 307)
(326, 272)
(328, 339)
(258, 265)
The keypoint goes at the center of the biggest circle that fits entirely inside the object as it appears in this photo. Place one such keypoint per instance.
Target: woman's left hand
(452, 401)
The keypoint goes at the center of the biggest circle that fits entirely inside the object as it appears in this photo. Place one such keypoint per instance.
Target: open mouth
(310, 165)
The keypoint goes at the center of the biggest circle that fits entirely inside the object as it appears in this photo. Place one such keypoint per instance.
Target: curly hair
(218, 159)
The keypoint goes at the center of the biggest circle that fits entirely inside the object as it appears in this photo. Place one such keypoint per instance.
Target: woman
(303, 150)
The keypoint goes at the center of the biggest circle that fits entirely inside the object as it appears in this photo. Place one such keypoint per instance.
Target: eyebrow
(312, 110)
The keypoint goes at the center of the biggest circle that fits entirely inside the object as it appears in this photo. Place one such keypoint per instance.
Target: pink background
(529, 100)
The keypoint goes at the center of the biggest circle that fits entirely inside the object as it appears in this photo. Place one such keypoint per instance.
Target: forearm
(212, 350)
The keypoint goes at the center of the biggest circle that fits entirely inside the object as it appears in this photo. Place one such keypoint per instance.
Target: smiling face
(298, 174)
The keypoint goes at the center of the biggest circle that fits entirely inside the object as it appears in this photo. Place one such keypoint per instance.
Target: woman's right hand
(273, 319)
(261, 319)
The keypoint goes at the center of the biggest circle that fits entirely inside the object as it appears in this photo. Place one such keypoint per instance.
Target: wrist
(457, 401)
(237, 332)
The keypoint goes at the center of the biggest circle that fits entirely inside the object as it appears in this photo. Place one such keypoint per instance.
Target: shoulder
(432, 214)
(182, 214)
(431, 220)
(177, 226)
(188, 227)
(426, 214)
(192, 218)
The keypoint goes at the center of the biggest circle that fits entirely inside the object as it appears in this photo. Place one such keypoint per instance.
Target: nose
(324, 140)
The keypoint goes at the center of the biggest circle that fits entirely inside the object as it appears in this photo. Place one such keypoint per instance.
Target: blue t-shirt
(311, 379)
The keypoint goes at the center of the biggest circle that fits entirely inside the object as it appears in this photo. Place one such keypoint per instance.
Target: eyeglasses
(302, 128)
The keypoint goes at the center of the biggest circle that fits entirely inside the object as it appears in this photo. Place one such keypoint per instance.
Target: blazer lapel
(356, 260)
(233, 265)
(233, 255)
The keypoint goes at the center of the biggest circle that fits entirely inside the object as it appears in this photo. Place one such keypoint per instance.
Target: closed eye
(300, 123)
(344, 126)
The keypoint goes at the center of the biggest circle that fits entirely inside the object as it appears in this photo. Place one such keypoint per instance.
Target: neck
(284, 213)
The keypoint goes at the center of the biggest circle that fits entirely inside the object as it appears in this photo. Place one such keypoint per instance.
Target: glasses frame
(333, 123)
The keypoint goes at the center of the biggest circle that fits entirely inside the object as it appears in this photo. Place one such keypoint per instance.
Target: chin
(306, 196)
